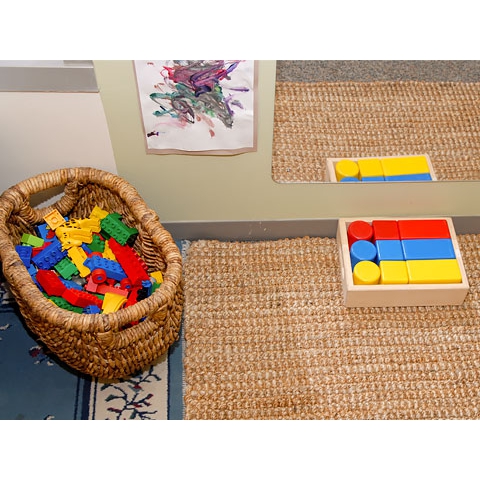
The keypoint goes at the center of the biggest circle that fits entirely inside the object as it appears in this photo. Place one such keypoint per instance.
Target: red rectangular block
(385, 230)
(423, 228)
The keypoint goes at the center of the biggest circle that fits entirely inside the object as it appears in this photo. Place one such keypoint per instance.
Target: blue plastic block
(92, 309)
(414, 177)
(43, 231)
(431, 249)
(373, 179)
(71, 284)
(362, 250)
(389, 250)
(112, 269)
(349, 180)
(49, 256)
(25, 254)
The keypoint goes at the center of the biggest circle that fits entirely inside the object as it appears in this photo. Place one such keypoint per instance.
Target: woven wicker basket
(94, 344)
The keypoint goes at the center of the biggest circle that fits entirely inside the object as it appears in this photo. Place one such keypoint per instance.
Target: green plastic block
(32, 240)
(66, 268)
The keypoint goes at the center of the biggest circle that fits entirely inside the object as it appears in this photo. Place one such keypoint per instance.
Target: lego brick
(445, 271)
(393, 272)
(389, 250)
(362, 250)
(25, 254)
(80, 298)
(385, 230)
(431, 249)
(113, 302)
(370, 167)
(410, 229)
(54, 219)
(97, 212)
(112, 226)
(394, 166)
(66, 268)
(32, 240)
(49, 256)
(78, 256)
(132, 264)
(50, 282)
(387, 295)
(112, 269)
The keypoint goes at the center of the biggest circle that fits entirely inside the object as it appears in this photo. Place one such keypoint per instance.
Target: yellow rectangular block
(78, 256)
(434, 271)
(370, 167)
(404, 165)
(393, 272)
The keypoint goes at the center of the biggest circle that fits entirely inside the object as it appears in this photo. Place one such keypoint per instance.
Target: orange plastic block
(434, 271)
(423, 229)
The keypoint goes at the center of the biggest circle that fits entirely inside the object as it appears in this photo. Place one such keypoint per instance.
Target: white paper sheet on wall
(198, 107)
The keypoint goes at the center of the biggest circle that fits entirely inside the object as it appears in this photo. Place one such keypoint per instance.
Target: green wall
(183, 188)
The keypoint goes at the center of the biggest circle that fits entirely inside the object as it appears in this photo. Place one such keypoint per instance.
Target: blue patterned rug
(36, 386)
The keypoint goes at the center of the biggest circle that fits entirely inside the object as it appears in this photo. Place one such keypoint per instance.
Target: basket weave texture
(95, 344)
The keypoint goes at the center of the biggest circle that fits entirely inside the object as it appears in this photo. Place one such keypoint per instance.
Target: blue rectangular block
(373, 179)
(414, 177)
(430, 249)
(389, 250)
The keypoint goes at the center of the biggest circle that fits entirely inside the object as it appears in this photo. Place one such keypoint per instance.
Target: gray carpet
(378, 70)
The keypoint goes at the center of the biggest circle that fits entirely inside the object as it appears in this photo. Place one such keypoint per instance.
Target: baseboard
(276, 229)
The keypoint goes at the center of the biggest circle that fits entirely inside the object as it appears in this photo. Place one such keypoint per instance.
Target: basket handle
(19, 195)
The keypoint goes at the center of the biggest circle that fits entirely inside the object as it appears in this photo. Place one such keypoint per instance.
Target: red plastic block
(79, 298)
(130, 261)
(385, 230)
(423, 228)
(359, 230)
(50, 282)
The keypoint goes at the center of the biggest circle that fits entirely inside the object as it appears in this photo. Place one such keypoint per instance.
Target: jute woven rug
(267, 337)
(315, 121)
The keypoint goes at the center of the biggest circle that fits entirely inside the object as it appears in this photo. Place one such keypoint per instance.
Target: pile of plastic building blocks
(87, 265)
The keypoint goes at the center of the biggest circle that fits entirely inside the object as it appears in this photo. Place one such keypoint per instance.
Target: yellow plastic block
(404, 165)
(157, 276)
(393, 272)
(91, 224)
(107, 252)
(112, 302)
(97, 212)
(78, 256)
(346, 168)
(366, 273)
(54, 219)
(370, 167)
(434, 271)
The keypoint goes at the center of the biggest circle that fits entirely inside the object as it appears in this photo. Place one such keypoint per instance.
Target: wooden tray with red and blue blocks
(400, 262)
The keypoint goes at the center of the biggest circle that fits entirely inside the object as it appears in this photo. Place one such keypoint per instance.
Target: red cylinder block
(359, 230)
